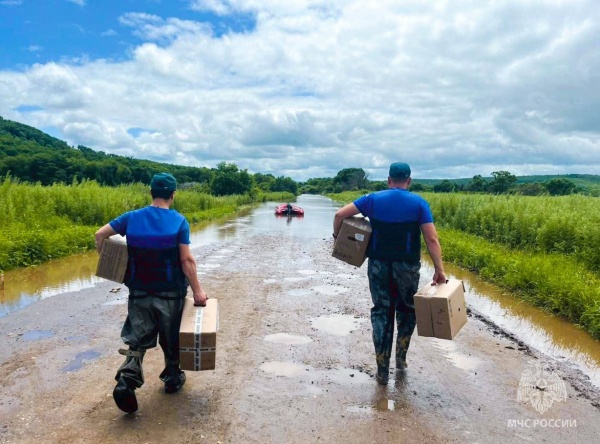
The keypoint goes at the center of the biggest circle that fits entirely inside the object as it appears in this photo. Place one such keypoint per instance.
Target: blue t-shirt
(395, 205)
(152, 227)
(396, 215)
(153, 238)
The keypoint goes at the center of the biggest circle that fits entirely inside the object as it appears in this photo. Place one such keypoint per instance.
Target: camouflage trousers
(393, 286)
(151, 316)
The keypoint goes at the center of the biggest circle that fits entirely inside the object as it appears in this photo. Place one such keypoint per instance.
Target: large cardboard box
(441, 310)
(113, 259)
(352, 241)
(198, 335)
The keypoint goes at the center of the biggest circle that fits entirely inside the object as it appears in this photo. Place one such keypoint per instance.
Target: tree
(445, 186)
(285, 184)
(560, 187)
(350, 179)
(503, 181)
(228, 179)
(531, 189)
(477, 184)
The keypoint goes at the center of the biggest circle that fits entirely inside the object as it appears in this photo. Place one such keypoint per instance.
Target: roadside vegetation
(545, 250)
(40, 223)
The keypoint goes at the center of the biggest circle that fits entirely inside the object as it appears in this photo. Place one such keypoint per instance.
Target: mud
(294, 365)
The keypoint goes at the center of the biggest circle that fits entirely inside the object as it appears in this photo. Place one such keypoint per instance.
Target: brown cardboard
(441, 310)
(198, 335)
(352, 241)
(113, 259)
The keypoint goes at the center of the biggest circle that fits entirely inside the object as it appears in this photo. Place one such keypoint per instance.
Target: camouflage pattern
(393, 286)
(150, 317)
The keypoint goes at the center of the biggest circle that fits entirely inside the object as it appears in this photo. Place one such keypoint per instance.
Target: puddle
(386, 405)
(294, 279)
(457, 359)
(312, 390)
(36, 335)
(299, 292)
(337, 324)
(284, 338)
(80, 359)
(331, 290)
(287, 369)
(307, 272)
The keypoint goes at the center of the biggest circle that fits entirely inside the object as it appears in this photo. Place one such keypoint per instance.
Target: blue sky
(304, 88)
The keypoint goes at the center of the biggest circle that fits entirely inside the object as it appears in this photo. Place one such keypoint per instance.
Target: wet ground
(294, 359)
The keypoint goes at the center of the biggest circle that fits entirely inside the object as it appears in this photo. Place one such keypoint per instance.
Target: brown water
(553, 336)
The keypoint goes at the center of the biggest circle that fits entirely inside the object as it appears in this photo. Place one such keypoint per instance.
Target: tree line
(30, 155)
(501, 182)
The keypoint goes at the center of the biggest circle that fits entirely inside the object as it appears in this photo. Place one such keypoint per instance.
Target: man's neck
(161, 203)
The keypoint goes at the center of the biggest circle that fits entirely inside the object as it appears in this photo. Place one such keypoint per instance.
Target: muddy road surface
(295, 363)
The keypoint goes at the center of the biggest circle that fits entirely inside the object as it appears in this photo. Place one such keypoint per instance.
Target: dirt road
(294, 365)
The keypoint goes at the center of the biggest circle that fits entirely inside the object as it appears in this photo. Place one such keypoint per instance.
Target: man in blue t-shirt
(159, 269)
(398, 218)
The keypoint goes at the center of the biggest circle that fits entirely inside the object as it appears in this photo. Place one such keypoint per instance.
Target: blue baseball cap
(399, 170)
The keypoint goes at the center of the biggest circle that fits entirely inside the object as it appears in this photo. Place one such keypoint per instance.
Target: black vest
(153, 269)
(395, 241)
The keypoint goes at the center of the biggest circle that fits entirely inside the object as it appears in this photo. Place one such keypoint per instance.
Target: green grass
(41, 223)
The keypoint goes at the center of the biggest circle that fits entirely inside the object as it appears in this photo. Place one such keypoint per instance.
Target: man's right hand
(200, 298)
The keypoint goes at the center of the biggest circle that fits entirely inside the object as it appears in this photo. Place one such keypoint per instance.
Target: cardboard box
(113, 259)
(441, 310)
(352, 241)
(198, 335)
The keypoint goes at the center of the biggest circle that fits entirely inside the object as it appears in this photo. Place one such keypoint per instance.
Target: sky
(305, 88)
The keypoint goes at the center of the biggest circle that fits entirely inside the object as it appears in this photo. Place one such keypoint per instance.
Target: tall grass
(544, 249)
(40, 223)
(569, 225)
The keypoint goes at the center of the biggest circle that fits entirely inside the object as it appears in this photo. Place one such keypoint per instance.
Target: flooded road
(294, 354)
(553, 336)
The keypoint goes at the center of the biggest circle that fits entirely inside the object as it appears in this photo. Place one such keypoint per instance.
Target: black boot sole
(125, 398)
(170, 388)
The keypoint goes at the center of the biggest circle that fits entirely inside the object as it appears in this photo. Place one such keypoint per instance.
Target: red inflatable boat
(288, 210)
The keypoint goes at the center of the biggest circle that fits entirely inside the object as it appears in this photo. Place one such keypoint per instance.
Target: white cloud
(454, 88)
(78, 2)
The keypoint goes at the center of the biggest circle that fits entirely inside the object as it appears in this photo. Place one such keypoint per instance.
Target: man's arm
(103, 233)
(435, 251)
(188, 264)
(341, 214)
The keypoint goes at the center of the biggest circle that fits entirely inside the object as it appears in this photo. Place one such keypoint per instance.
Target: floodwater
(553, 336)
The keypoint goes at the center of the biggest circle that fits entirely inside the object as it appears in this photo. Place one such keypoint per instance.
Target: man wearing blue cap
(398, 218)
(159, 269)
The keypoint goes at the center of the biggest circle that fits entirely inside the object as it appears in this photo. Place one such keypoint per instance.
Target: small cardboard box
(198, 335)
(352, 241)
(440, 309)
(113, 259)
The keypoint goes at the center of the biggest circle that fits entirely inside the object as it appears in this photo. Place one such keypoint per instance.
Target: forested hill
(31, 155)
